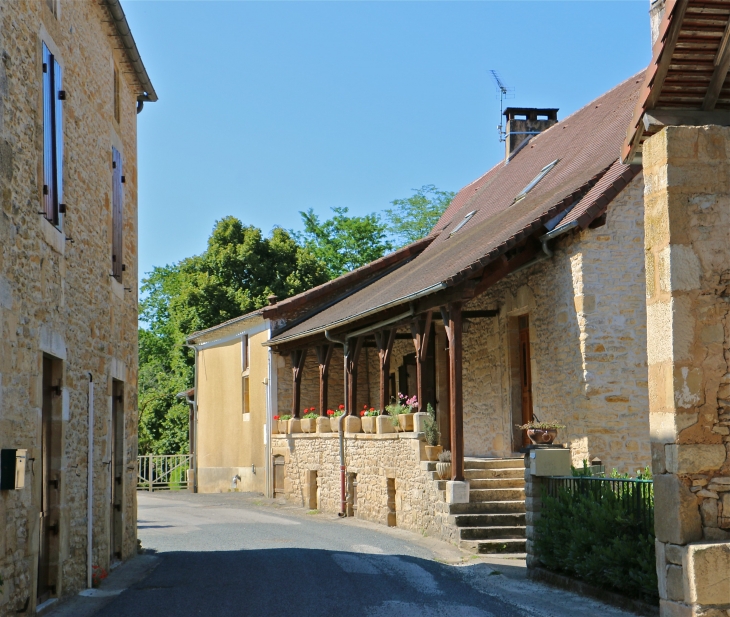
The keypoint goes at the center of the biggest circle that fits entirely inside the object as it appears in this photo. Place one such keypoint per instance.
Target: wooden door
(117, 472)
(278, 475)
(525, 373)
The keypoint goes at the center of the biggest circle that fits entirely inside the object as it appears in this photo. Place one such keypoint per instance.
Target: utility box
(550, 462)
(12, 469)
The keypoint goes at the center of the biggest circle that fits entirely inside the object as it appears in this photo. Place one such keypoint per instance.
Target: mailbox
(12, 469)
(550, 462)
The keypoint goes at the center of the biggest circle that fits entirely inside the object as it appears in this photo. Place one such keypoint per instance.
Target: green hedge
(598, 541)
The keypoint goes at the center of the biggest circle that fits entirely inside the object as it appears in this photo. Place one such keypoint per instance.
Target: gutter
(130, 47)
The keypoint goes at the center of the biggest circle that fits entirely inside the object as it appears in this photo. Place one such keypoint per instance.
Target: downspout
(90, 488)
(340, 426)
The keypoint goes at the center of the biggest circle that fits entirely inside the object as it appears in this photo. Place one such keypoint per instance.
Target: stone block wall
(57, 298)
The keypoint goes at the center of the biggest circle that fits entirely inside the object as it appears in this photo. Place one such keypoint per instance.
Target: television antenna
(503, 93)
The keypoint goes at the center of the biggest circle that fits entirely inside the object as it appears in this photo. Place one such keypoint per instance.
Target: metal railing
(161, 472)
(635, 497)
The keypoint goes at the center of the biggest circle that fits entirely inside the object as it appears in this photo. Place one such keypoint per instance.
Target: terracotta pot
(283, 426)
(443, 470)
(309, 425)
(542, 436)
(368, 424)
(405, 421)
(335, 424)
(432, 452)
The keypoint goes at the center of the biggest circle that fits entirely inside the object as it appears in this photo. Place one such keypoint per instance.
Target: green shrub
(596, 538)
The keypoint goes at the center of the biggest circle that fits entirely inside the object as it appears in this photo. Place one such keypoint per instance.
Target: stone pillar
(687, 226)
(533, 506)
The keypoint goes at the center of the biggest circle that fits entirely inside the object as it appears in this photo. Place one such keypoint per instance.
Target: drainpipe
(340, 426)
(90, 488)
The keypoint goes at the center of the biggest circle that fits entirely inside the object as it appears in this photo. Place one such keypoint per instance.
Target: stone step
(483, 483)
(483, 474)
(494, 546)
(492, 533)
(489, 520)
(497, 494)
(494, 463)
(488, 507)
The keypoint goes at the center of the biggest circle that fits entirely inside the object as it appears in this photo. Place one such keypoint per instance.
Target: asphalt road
(233, 554)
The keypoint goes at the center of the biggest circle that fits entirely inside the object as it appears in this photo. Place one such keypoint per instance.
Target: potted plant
(309, 420)
(275, 425)
(443, 467)
(431, 429)
(335, 418)
(402, 412)
(284, 423)
(541, 433)
(368, 419)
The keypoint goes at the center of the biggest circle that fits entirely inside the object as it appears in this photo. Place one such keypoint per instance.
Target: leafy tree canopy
(414, 217)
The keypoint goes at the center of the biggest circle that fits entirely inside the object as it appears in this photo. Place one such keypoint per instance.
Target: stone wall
(419, 505)
(57, 298)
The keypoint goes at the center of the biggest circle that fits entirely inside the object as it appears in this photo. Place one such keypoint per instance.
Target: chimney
(273, 298)
(524, 123)
(656, 12)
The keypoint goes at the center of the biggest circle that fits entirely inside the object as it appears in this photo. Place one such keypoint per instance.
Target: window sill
(53, 236)
(117, 288)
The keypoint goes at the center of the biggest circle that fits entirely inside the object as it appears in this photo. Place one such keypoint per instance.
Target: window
(244, 352)
(53, 95)
(116, 95)
(117, 219)
(543, 172)
(246, 396)
(463, 222)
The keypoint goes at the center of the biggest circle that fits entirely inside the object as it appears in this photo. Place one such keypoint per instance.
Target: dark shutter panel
(49, 195)
(117, 219)
(244, 352)
(58, 136)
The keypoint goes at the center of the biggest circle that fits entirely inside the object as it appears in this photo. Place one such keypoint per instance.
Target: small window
(246, 403)
(244, 352)
(463, 222)
(543, 172)
(117, 215)
(53, 97)
(116, 95)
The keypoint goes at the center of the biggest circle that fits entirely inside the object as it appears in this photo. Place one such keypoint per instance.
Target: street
(236, 554)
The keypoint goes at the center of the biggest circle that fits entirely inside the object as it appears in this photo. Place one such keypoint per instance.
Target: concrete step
(494, 463)
(497, 494)
(492, 533)
(482, 483)
(494, 546)
(516, 519)
(483, 474)
(488, 507)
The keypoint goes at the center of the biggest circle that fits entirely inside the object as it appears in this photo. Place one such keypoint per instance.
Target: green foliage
(430, 427)
(343, 242)
(595, 537)
(414, 217)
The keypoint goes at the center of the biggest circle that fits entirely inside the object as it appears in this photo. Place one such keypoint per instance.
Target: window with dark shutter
(52, 139)
(117, 219)
(116, 95)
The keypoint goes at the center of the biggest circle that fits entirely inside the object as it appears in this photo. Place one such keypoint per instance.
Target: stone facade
(688, 272)
(62, 315)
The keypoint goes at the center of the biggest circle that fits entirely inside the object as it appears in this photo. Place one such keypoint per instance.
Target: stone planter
(542, 436)
(368, 424)
(309, 425)
(323, 425)
(432, 452)
(352, 424)
(283, 426)
(383, 424)
(295, 425)
(275, 427)
(405, 422)
(443, 470)
(335, 424)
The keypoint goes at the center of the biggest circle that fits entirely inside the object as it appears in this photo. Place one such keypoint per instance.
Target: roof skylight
(543, 172)
(463, 222)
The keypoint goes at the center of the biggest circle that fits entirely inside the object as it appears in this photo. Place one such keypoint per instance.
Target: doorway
(50, 465)
(525, 373)
(116, 472)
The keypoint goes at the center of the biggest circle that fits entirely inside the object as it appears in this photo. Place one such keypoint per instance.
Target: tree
(414, 217)
(237, 272)
(344, 242)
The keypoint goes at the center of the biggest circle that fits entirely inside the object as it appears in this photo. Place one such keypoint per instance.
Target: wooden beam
(657, 119)
(298, 358)
(722, 64)
(664, 58)
(384, 340)
(324, 356)
(456, 390)
(505, 267)
(475, 314)
(420, 330)
(353, 353)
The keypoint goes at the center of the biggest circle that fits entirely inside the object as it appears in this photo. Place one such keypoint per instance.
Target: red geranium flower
(362, 413)
(330, 412)
(341, 407)
(276, 417)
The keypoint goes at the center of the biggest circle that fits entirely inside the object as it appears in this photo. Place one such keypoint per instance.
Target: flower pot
(335, 424)
(323, 425)
(283, 426)
(309, 425)
(368, 424)
(383, 424)
(275, 427)
(432, 452)
(542, 436)
(295, 426)
(405, 422)
(352, 424)
(443, 470)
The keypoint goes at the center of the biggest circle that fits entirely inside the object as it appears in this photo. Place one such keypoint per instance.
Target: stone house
(71, 86)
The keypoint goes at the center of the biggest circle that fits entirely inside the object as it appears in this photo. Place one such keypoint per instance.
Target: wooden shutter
(52, 137)
(117, 210)
(244, 352)
(58, 139)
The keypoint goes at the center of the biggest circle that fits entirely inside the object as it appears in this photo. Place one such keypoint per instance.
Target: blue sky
(269, 108)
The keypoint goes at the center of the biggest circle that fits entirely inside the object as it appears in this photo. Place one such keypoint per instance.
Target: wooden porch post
(384, 339)
(353, 353)
(324, 355)
(420, 330)
(297, 368)
(452, 320)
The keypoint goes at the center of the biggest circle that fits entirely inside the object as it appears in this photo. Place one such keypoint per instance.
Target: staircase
(494, 519)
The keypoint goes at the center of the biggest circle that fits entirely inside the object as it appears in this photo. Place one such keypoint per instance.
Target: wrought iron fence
(636, 497)
(157, 472)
